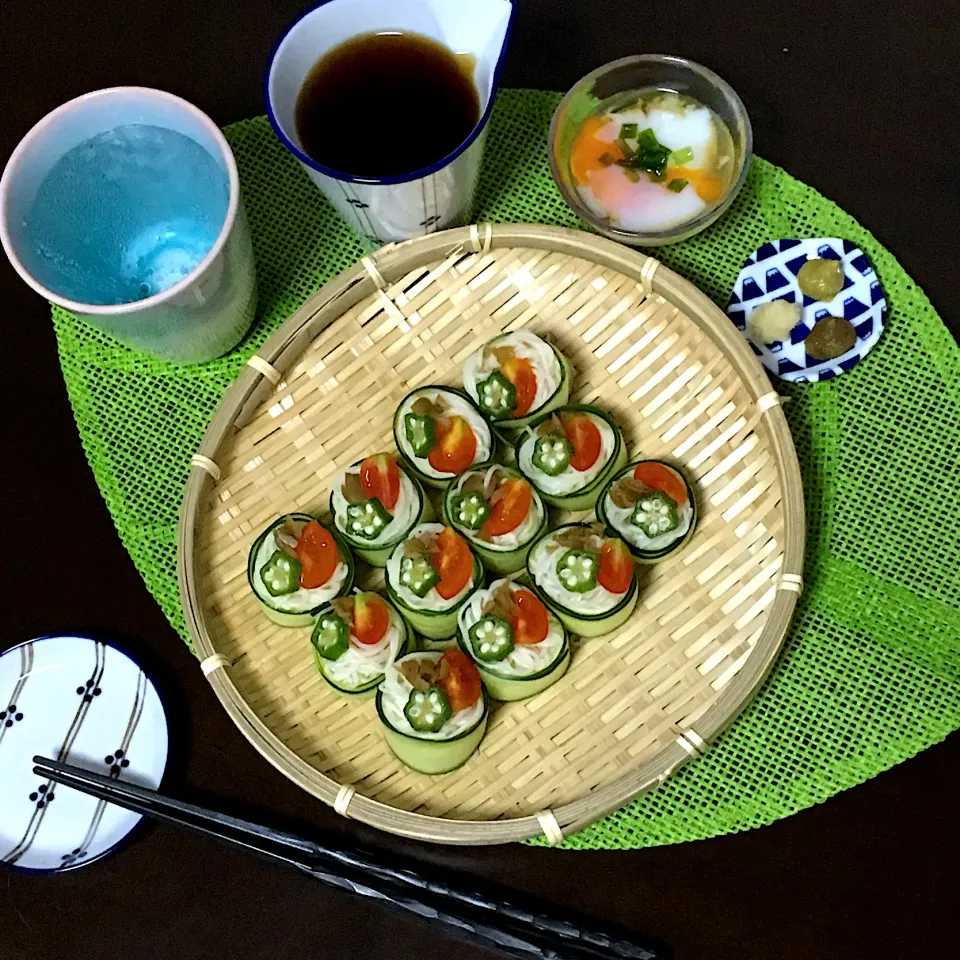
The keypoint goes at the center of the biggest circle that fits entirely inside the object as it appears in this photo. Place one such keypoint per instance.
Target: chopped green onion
(632, 175)
(628, 131)
(648, 140)
(624, 148)
(679, 157)
(677, 185)
(606, 159)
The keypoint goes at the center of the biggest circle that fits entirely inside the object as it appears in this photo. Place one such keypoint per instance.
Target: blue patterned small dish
(84, 702)
(770, 273)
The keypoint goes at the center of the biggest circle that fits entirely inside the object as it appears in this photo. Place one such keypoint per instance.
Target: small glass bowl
(639, 73)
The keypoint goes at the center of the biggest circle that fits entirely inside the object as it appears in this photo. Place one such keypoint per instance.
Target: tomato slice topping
(616, 567)
(380, 478)
(456, 446)
(658, 476)
(528, 619)
(453, 561)
(462, 683)
(520, 373)
(371, 618)
(584, 437)
(318, 555)
(510, 508)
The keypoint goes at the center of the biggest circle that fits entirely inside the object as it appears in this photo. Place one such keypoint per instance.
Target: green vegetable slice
(551, 454)
(331, 636)
(496, 396)
(421, 433)
(651, 155)
(427, 710)
(418, 575)
(367, 520)
(491, 638)
(577, 570)
(281, 574)
(655, 513)
(677, 185)
(471, 510)
(679, 157)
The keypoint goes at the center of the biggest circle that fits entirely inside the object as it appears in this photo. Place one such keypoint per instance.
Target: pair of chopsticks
(488, 917)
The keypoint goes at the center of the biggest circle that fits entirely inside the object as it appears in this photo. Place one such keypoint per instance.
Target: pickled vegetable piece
(821, 279)
(830, 338)
(773, 321)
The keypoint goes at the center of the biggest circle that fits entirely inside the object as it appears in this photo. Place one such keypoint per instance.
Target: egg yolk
(588, 153)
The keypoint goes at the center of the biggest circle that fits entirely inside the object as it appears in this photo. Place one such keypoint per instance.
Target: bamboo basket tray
(636, 704)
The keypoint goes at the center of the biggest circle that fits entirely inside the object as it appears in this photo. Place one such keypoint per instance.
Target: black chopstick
(489, 917)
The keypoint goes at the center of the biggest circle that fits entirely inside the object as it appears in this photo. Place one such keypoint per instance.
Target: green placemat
(870, 672)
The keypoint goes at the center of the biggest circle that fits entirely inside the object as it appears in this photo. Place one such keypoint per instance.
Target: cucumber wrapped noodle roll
(441, 433)
(585, 578)
(515, 377)
(498, 512)
(295, 566)
(651, 506)
(375, 503)
(519, 646)
(569, 454)
(355, 638)
(430, 575)
(433, 710)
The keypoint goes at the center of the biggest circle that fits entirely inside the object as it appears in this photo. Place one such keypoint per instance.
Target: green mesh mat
(870, 672)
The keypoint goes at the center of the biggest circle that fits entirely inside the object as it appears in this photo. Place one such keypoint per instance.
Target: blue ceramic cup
(123, 206)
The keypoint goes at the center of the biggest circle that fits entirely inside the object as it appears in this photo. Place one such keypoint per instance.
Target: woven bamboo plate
(634, 705)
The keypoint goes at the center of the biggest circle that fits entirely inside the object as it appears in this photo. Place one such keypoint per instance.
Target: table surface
(858, 100)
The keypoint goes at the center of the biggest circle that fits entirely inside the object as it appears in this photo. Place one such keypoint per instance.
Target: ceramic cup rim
(157, 299)
(342, 175)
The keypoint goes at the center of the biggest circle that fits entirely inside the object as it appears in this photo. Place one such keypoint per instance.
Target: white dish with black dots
(84, 702)
(770, 273)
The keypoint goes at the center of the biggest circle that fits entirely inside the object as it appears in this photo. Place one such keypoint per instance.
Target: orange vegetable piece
(658, 476)
(380, 478)
(371, 618)
(318, 555)
(584, 437)
(456, 446)
(528, 619)
(462, 683)
(521, 374)
(511, 508)
(453, 561)
(587, 150)
(616, 567)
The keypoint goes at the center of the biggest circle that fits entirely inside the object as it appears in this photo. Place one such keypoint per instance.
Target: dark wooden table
(859, 100)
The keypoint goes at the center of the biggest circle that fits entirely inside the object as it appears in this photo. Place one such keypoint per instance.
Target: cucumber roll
(433, 711)
(441, 434)
(430, 576)
(375, 504)
(296, 566)
(652, 507)
(587, 579)
(355, 639)
(499, 513)
(568, 455)
(519, 647)
(516, 377)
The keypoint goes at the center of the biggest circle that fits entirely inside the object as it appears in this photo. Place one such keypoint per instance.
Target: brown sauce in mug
(383, 104)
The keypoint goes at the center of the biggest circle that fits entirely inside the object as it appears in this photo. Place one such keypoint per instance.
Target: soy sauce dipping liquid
(383, 104)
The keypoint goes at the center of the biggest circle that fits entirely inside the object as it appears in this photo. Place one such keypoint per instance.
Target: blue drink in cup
(123, 206)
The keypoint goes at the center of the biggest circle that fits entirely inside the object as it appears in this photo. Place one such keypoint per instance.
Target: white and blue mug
(388, 209)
